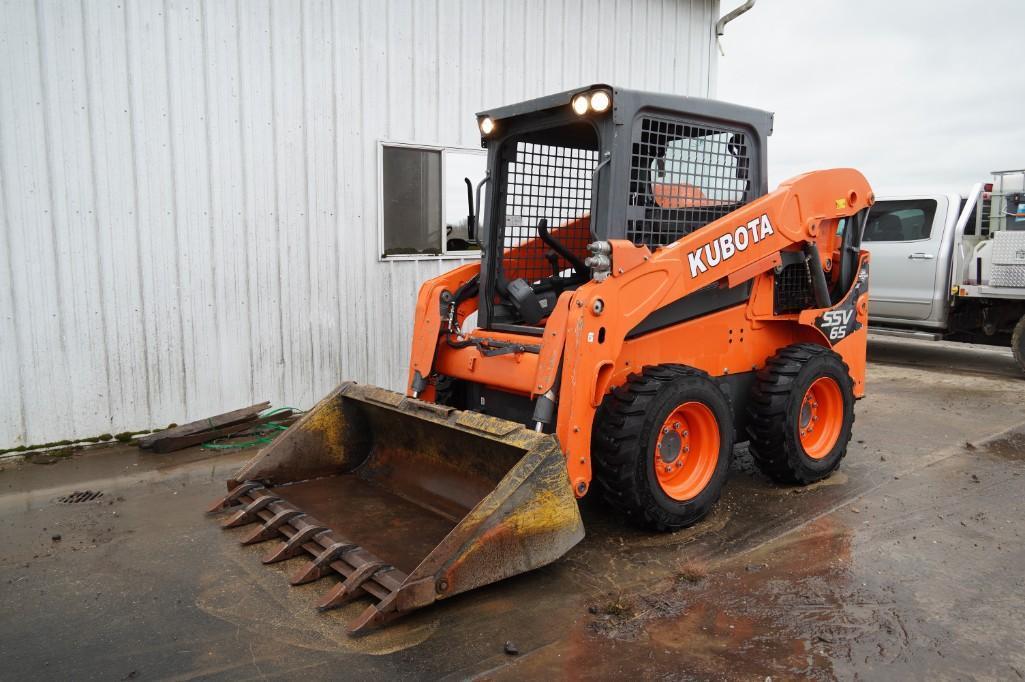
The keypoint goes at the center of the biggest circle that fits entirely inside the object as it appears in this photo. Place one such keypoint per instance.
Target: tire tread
(770, 445)
(618, 434)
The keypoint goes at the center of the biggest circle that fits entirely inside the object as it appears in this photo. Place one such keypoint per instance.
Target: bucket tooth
(374, 616)
(269, 530)
(350, 588)
(321, 565)
(232, 498)
(249, 513)
(294, 545)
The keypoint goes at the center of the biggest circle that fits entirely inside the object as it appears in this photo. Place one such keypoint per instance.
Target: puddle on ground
(745, 618)
(788, 610)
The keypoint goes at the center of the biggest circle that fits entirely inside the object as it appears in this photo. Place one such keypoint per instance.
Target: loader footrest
(360, 572)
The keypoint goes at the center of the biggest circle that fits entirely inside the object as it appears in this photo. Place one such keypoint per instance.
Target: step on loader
(642, 304)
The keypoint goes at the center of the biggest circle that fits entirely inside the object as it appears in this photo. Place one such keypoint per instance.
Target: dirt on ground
(905, 564)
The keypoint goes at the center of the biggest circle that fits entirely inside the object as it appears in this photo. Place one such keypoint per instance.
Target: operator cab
(581, 167)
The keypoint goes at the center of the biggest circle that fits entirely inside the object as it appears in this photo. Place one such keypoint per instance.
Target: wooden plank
(226, 419)
(172, 443)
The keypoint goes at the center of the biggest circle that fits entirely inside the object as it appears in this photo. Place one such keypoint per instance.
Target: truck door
(905, 238)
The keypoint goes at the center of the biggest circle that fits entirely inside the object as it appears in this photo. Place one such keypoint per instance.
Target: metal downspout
(720, 26)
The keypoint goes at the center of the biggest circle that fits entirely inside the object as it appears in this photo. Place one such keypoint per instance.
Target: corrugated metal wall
(189, 189)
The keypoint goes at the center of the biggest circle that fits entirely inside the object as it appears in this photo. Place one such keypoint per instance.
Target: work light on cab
(581, 104)
(600, 101)
(487, 125)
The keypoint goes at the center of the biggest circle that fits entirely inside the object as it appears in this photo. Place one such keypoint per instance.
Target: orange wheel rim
(821, 417)
(687, 451)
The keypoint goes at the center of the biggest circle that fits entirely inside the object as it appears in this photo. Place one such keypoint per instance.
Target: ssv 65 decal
(842, 321)
(724, 247)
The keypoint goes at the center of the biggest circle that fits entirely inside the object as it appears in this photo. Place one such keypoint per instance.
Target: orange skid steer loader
(642, 303)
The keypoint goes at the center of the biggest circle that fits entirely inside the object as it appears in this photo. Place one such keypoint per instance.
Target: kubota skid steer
(642, 304)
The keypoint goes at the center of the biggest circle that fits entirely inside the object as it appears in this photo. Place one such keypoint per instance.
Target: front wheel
(802, 414)
(662, 446)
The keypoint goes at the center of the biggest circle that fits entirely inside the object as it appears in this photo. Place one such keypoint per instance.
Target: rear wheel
(662, 446)
(802, 414)
(1018, 343)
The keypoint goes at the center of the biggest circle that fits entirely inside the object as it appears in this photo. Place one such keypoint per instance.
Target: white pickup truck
(951, 267)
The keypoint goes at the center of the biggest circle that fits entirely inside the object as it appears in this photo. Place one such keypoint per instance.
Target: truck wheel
(662, 446)
(1018, 343)
(802, 414)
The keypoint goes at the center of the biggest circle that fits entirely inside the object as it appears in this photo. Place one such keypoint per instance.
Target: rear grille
(793, 291)
(550, 182)
(682, 177)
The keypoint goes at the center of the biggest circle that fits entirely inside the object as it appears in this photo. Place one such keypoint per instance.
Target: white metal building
(191, 192)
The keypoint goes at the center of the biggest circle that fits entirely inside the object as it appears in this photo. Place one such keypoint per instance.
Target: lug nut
(686, 448)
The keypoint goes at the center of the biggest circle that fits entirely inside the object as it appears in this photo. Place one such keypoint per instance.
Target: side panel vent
(793, 292)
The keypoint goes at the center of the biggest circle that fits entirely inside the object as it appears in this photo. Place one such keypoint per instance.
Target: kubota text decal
(722, 248)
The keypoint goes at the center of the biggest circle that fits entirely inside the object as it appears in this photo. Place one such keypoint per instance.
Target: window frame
(444, 150)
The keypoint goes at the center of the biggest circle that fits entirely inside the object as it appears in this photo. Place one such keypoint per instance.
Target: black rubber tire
(1018, 343)
(449, 391)
(623, 445)
(775, 407)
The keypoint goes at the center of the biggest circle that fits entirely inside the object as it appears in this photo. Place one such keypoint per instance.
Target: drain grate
(80, 496)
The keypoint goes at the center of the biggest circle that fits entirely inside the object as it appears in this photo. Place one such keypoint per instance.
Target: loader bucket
(405, 502)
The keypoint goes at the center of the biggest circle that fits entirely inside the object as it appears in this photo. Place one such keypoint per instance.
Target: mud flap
(405, 502)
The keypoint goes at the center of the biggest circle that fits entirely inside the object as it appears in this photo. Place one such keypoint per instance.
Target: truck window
(906, 220)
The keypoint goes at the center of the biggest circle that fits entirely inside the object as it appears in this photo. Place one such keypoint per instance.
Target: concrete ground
(905, 564)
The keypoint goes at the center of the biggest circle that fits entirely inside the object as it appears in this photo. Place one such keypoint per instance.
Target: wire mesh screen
(793, 291)
(682, 177)
(553, 183)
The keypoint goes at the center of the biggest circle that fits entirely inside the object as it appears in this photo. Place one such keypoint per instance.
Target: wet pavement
(905, 564)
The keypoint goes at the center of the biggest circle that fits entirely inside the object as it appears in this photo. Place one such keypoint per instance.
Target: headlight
(487, 125)
(580, 104)
(600, 101)
(595, 101)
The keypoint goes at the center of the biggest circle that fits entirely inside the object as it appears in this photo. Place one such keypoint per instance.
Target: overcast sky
(920, 96)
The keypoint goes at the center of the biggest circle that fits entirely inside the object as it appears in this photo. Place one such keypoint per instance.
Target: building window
(424, 206)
